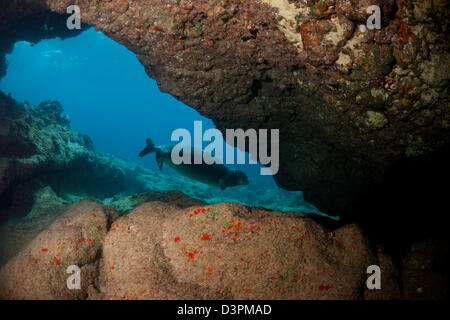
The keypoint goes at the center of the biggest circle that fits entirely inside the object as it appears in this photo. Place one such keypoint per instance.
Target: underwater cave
(89, 86)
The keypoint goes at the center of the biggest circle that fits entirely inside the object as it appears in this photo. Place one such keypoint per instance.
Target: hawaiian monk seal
(215, 174)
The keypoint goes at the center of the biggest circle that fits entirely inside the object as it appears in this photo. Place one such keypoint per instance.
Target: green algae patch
(376, 120)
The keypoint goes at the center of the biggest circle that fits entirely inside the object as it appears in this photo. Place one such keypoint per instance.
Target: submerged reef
(38, 148)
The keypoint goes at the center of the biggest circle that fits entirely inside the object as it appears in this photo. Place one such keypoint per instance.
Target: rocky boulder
(221, 251)
(39, 148)
(176, 198)
(229, 251)
(17, 233)
(75, 238)
(161, 251)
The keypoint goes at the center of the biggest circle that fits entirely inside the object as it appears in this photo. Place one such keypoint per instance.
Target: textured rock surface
(222, 251)
(228, 251)
(75, 238)
(17, 233)
(160, 251)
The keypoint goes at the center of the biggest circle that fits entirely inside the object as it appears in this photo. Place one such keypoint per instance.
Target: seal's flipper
(159, 159)
(149, 148)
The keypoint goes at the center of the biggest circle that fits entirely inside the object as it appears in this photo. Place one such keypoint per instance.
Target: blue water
(107, 95)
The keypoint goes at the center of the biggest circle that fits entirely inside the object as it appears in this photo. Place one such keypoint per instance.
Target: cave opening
(107, 96)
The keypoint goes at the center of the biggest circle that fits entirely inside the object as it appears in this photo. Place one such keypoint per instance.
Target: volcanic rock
(229, 251)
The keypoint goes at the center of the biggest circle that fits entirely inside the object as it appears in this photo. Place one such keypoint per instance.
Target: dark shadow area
(34, 28)
(411, 205)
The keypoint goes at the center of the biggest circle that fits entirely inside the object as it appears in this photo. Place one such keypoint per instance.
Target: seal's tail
(149, 148)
